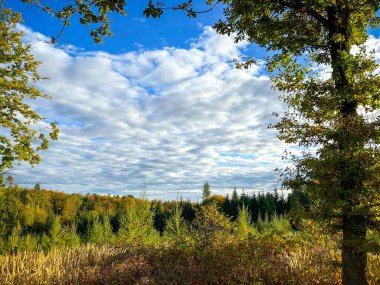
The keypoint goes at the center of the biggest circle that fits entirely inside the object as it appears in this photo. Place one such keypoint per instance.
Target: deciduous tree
(332, 115)
(24, 133)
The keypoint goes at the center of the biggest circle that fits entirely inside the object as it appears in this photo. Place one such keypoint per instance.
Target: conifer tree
(243, 225)
(56, 234)
(206, 191)
(175, 225)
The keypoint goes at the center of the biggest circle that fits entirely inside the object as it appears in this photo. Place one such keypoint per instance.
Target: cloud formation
(171, 118)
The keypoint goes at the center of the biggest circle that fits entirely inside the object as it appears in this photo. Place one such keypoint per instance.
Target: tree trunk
(354, 256)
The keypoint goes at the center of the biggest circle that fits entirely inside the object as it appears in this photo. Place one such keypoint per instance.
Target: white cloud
(170, 118)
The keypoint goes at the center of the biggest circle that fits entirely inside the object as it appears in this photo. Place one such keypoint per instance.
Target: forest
(33, 217)
(51, 237)
(322, 60)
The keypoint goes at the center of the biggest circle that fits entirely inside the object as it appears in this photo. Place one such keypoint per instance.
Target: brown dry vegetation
(272, 258)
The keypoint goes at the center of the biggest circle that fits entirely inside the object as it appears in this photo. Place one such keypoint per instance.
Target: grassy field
(213, 249)
(273, 258)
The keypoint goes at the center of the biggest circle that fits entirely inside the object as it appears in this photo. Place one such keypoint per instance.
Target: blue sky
(129, 32)
(159, 104)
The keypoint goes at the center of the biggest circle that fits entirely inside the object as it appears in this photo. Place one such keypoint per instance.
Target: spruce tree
(206, 191)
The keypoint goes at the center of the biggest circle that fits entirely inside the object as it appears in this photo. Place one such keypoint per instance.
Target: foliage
(137, 223)
(176, 225)
(332, 113)
(206, 192)
(210, 252)
(210, 224)
(98, 219)
(244, 226)
(95, 232)
(89, 13)
(303, 257)
(23, 133)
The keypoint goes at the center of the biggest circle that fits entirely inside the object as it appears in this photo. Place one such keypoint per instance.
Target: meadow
(125, 240)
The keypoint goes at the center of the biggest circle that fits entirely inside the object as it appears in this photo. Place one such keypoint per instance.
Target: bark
(354, 256)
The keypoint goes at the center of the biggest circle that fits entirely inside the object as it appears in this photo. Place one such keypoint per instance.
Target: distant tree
(188, 211)
(206, 191)
(210, 224)
(72, 239)
(10, 181)
(235, 196)
(9, 212)
(56, 234)
(13, 241)
(108, 233)
(137, 223)
(37, 187)
(175, 225)
(234, 204)
(95, 232)
(243, 224)
(70, 208)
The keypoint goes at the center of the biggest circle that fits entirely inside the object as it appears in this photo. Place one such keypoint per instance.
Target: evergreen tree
(56, 234)
(72, 239)
(175, 225)
(243, 224)
(13, 241)
(95, 232)
(206, 191)
(108, 234)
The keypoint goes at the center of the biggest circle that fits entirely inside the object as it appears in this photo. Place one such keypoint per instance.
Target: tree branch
(298, 5)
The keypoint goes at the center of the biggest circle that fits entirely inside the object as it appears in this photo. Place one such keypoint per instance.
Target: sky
(158, 106)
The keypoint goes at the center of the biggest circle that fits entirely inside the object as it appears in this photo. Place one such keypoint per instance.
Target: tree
(333, 114)
(206, 191)
(175, 225)
(23, 134)
(243, 225)
(211, 225)
(56, 234)
(90, 13)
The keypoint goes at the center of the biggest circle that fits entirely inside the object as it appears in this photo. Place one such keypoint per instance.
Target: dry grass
(61, 266)
(261, 260)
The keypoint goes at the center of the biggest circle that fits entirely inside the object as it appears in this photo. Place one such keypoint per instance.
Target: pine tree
(243, 224)
(175, 225)
(206, 191)
(56, 234)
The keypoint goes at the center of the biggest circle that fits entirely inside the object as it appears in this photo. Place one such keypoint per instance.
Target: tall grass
(59, 266)
(276, 259)
(214, 250)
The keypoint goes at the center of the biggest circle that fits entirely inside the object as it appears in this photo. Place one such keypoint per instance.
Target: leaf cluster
(23, 129)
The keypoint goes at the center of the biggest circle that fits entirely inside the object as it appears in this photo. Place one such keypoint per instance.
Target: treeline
(33, 219)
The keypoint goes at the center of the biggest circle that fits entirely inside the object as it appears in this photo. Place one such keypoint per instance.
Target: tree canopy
(331, 115)
(91, 13)
(24, 133)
